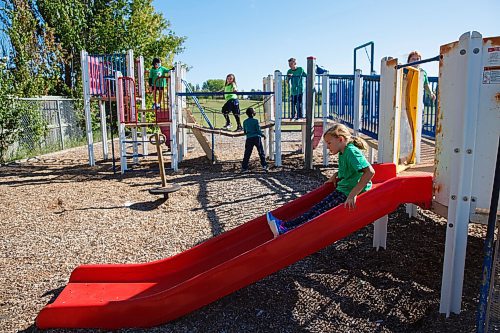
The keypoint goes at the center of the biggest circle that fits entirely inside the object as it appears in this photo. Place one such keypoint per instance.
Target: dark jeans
(232, 105)
(249, 144)
(296, 106)
(331, 200)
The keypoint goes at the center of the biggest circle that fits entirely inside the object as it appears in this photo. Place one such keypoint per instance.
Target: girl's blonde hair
(340, 130)
(234, 79)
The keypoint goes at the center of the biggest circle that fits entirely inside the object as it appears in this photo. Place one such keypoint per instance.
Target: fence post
(278, 97)
(59, 122)
(308, 156)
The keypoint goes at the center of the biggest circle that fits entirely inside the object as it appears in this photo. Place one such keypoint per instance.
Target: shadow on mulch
(348, 286)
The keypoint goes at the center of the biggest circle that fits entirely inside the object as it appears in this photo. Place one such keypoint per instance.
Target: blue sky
(253, 38)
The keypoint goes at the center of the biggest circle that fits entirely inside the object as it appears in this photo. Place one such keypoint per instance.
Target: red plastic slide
(144, 295)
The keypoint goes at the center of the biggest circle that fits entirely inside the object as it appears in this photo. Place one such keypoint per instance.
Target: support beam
(308, 156)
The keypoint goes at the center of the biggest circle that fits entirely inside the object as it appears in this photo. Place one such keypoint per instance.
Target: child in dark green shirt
(157, 82)
(295, 75)
(253, 132)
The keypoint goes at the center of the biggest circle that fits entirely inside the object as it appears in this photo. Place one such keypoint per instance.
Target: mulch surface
(58, 213)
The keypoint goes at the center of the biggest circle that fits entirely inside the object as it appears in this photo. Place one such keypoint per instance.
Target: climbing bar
(436, 58)
(221, 93)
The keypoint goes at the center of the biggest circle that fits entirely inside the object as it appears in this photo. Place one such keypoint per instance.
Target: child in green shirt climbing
(157, 82)
(232, 104)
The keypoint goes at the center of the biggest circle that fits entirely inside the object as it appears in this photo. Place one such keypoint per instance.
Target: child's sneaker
(228, 126)
(275, 225)
(265, 168)
(239, 128)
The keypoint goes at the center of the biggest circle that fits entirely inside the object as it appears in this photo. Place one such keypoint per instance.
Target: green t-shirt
(427, 87)
(251, 128)
(230, 88)
(154, 73)
(296, 81)
(351, 162)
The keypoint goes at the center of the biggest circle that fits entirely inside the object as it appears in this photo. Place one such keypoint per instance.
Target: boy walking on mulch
(253, 132)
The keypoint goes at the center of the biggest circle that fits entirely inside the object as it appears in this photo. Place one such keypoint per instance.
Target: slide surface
(149, 294)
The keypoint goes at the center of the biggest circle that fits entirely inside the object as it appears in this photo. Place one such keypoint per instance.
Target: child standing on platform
(253, 132)
(295, 75)
(232, 104)
(413, 57)
(157, 84)
(353, 177)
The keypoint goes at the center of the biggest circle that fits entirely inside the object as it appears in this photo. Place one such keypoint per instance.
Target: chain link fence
(48, 124)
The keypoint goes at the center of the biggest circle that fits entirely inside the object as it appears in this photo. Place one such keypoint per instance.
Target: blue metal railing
(342, 98)
(370, 105)
(287, 101)
(430, 110)
(341, 103)
(102, 68)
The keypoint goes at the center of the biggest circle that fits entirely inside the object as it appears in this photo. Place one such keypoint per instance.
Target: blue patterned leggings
(332, 200)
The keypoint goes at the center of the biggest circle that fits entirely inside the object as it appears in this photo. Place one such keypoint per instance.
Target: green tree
(33, 52)
(109, 26)
(46, 37)
(9, 120)
(213, 85)
(16, 118)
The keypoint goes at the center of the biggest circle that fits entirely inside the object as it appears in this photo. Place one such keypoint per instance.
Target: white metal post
(142, 91)
(121, 127)
(278, 98)
(325, 98)
(460, 83)
(86, 105)
(358, 107)
(180, 73)
(388, 116)
(173, 124)
(308, 154)
(389, 111)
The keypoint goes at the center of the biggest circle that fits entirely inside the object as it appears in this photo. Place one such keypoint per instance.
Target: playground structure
(467, 132)
(120, 79)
